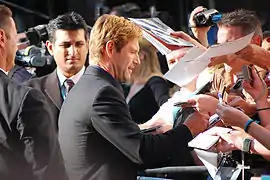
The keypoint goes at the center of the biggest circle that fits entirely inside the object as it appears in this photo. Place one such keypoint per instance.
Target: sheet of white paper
(196, 60)
(228, 47)
(203, 141)
(209, 159)
(206, 139)
(187, 68)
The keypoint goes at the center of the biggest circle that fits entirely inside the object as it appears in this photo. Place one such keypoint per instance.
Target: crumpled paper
(210, 160)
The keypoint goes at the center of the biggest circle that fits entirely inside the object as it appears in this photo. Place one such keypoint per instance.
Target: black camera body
(207, 18)
(33, 57)
(37, 34)
(247, 73)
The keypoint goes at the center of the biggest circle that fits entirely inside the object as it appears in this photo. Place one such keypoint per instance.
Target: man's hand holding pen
(203, 103)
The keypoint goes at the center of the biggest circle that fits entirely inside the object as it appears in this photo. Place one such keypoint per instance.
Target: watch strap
(247, 144)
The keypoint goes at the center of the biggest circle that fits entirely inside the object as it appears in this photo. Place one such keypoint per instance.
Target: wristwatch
(247, 144)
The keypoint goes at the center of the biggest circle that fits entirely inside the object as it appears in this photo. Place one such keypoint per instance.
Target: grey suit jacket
(28, 142)
(98, 139)
(49, 86)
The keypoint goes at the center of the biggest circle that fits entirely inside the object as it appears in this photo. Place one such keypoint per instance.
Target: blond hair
(114, 28)
(149, 64)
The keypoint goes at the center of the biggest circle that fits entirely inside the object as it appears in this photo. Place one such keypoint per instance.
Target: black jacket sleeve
(160, 89)
(112, 120)
(37, 133)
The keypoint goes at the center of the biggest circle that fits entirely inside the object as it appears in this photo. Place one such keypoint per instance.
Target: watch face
(246, 145)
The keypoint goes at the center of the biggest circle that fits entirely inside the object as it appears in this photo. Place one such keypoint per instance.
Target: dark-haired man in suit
(68, 44)
(28, 142)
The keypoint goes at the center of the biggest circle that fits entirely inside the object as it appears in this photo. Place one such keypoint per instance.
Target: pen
(220, 99)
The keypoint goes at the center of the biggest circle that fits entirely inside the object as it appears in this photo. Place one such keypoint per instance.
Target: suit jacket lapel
(53, 90)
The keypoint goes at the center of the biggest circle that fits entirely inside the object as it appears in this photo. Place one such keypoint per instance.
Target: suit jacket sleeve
(112, 120)
(36, 132)
(160, 89)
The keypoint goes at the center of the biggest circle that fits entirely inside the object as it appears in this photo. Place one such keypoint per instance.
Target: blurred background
(29, 13)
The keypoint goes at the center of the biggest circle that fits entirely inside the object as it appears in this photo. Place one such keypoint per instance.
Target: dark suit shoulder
(37, 83)
(12, 88)
(93, 83)
(12, 95)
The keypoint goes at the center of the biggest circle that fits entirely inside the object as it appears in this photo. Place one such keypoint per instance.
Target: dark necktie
(68, 84)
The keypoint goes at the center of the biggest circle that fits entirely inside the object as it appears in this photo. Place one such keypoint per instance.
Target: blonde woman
(149, 90)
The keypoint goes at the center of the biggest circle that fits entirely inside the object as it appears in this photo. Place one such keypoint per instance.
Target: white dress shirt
(75, 78)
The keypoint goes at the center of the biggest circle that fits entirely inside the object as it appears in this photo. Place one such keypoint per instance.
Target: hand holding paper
(225, 141)
(196, 60)
(209, 138)
(188, 38)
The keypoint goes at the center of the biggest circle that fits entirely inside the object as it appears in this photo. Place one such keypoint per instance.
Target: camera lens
(200, 19)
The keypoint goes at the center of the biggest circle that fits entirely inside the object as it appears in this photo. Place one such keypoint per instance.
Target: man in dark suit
(28, 142)
(97, 136)
(68, 44)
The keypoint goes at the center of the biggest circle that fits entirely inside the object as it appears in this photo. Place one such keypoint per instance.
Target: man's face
(69, 50)
(227, 34)
(11, 43)
(231, 33)
(126, 60)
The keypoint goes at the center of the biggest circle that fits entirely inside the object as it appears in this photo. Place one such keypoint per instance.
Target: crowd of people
(79, 123)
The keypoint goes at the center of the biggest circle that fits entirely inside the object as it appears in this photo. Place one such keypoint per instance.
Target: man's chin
(74, 69)
(125, 79)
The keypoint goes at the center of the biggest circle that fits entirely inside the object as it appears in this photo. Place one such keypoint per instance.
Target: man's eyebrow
(135, 48)
(65, 41)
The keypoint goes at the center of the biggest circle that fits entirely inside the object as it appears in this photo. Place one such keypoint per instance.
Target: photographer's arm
(199, 32)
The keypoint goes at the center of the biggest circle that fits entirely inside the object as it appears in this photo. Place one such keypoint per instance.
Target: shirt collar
(4, 71)
(75, 78)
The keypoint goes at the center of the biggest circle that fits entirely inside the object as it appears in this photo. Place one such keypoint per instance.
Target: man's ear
(256, 40)
(109, 48)
(49, 46)
(2, 38)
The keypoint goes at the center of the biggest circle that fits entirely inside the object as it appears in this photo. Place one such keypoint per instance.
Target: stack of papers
(195, 60)
(159, 34)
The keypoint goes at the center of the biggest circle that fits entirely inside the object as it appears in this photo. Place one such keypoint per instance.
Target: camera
(33, 56)
(37, 34)
(207, 18)
(247, 73)
(36, 59)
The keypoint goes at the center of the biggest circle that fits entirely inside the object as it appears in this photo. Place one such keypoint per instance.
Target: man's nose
(137, 60)
(72, 50)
